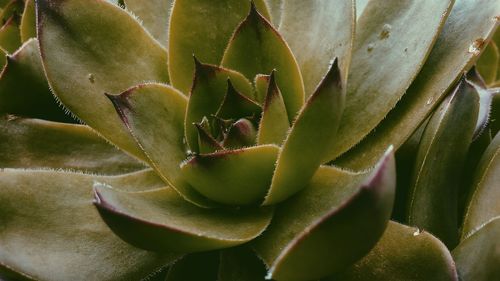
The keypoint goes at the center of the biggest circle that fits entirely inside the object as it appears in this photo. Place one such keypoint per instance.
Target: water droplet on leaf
(476, 46)
(386, 31)
(417, 232)
(91, 78)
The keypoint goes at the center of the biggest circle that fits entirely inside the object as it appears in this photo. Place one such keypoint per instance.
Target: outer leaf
(433, 199)
(276, 10)
(488, 63)
(154, 14)
(468, 21)
(154, 114)
(317, 32)
(235, 177)
(404, 254)
(28, 21)
(33, 144)
(304, 149)
(335, 221)
(240, 264)
(10, 39)
(38, 243)
(483, 202)
(163, 221)
(195, 267)
(477, 257)
(78, 42)
(23, 88)
(255, 48)
(202, 28)
(207, 94)
(387, 56)
(360, 7)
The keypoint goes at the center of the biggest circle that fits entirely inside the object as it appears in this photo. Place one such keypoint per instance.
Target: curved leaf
(38, 144)
(202, 28)
(78, 43)
(10, 39)
(255, 48)
(405, 254)
(155, 16)
(488, 63)
(59, 232)
(336, 220)
(28, 21)
(304, 148)
(433, 198)
(477, 257)
(32, 97)
(163, 221)
(483, 202)
(319, 31)
(468, 21)
(235, 177)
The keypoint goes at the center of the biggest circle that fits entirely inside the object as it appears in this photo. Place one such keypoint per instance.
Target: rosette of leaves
(237, 140)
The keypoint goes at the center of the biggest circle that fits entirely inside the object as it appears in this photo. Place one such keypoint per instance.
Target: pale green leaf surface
(261, 84)
(155, 16)
(332, 223)
(275, 8)
(483, 203)
(234, 177)
(38, 144)
(256, 48)
(405, 254)
(477, 257)
(392, 42)
(202, 28)
(60, 236)
(163, 221)
(304, 148)
(360, 7)
(319, 31)
(450, 56)
(79, 45)
(10, 38)
(28, 21)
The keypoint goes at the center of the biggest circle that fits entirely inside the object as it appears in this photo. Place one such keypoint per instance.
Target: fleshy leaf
(38, 144)
(477, 257)
(255, 48)
(206, 142)
(241, 134)
(154, 114)
(304, 149)
(32, 97)
(261, 83)
(488, 63)
(240, 264)
(318, 31)
(433, 198)
(9, 8)
(360, 7)
(203, 34)
(275, 10)
(468, 21)
(79, 45)
(336, 220)
(236, 105)
(38, 243)
(207, 94)
(154, 14)
(195, 267)
(10, 39)
(403, 253)
(485, 194)
(163, 221)
(388, 53)
(274, 124)
(28, 21)
(235, 177)
(3, 59)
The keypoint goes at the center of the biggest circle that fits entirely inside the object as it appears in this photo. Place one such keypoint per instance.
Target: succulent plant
(237, 140)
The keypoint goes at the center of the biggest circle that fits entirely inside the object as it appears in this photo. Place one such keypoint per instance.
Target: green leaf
(388, 53)
(255, 48)
(38, 144)
(261, 83)
(318, 31)
(163, 221)
(203, 34)
(206, 142)
(28, 21)
(304, 149)
(488, 63)
(235, 177)
(154, 114)
(236, 105)
(3, 59)
(10, 39)
(195, 267)
(403, 253)
(274, 124)
(477, 257)
(433, 199)
(360, 7)
(332, 223)
(32, 97)
(483, 202)
(468, 21)
(241, 134)
(275, 10)
(240, 264)
(78, 43)
(154, 15)
(10, 8)
(51, 231)
(207, 94)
